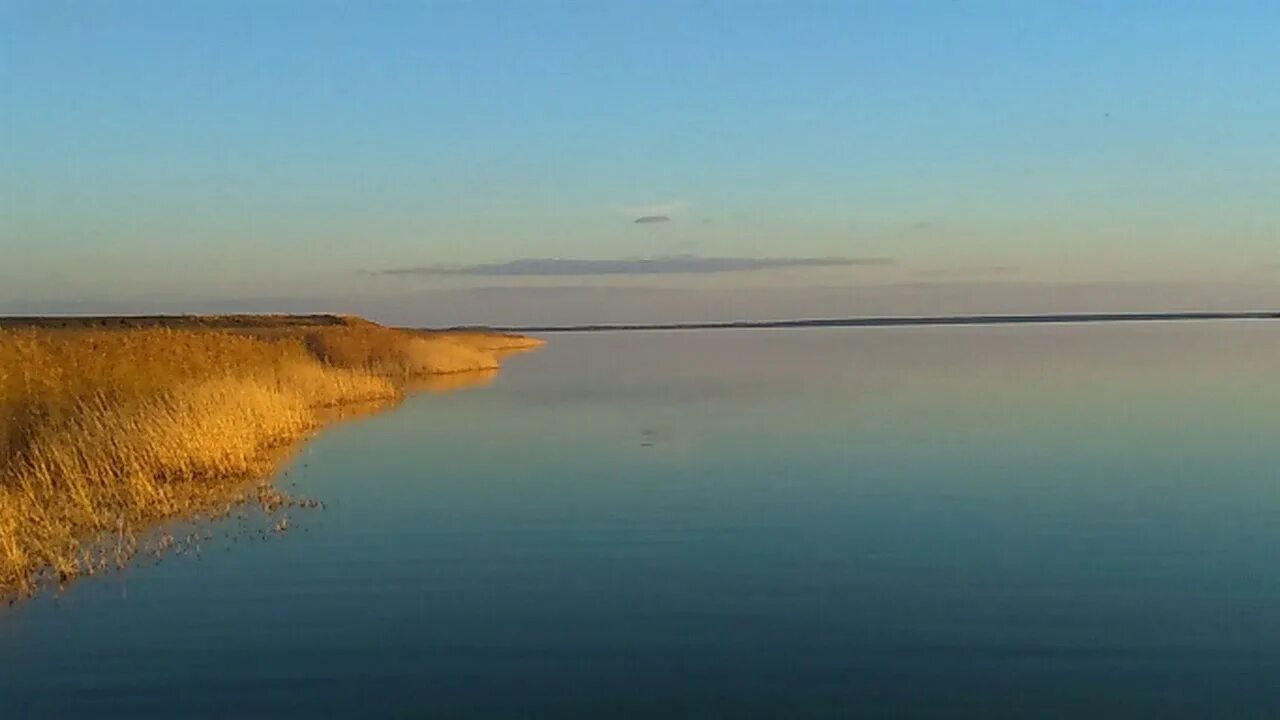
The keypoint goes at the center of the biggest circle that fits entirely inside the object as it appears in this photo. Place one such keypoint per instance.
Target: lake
(1067, 521)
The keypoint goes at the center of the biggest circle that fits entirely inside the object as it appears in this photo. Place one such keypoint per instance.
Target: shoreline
(893, 321)
(108, 430)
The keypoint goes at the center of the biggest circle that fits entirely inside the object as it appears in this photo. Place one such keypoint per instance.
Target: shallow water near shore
(910, 522)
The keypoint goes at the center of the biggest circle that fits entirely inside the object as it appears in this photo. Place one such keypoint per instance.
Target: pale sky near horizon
(172, 157)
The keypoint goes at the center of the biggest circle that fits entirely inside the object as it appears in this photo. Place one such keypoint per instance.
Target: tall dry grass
(105, 432)
(397, 353)
(487, 341)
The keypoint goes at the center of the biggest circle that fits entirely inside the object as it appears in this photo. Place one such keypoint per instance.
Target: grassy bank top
(176, 322)
(55, 360)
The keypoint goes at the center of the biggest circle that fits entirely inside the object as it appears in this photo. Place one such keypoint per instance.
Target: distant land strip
(897, 321)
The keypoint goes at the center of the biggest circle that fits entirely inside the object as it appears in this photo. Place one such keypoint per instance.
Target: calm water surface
(900, 522)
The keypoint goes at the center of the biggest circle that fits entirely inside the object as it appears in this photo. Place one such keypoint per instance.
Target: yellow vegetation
(105, 431)
(491, 341)
(396, 353)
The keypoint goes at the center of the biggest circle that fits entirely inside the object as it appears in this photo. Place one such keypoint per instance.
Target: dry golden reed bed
(105, 430)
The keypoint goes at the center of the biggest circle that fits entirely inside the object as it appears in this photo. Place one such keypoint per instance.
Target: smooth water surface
(899, 522)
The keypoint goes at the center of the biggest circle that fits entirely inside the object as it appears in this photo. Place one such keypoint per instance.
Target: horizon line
(893, 321)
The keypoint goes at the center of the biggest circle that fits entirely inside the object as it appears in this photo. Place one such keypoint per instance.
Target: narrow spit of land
(109, 425)
(894, 321)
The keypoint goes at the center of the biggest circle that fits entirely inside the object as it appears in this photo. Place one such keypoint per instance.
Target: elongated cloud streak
(684, 264)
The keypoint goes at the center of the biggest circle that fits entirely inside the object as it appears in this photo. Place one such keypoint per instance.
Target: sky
(461, 161)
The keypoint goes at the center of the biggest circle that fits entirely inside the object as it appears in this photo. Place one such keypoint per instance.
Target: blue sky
(179, 153)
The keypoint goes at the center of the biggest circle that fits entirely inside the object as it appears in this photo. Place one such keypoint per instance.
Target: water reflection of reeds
(451, 382)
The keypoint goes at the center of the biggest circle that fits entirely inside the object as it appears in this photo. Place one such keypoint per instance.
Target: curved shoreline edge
(111, 426)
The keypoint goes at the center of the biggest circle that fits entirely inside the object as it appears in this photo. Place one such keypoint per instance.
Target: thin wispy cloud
(651, 219)
(682, 265)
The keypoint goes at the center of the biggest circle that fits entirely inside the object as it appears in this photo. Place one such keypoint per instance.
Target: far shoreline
(892, 321)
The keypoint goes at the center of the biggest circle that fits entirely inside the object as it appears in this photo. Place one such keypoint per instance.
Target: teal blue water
(899, 522)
